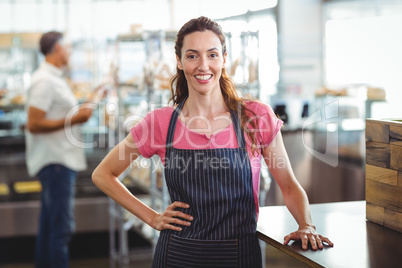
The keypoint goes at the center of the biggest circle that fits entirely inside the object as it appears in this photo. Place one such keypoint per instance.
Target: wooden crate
(384, 172)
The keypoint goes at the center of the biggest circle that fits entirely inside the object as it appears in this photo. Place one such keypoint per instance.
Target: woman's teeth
(203, 77)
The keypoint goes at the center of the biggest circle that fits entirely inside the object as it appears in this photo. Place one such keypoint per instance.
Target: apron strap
(237, 127)
(172, 124)
(173, 119)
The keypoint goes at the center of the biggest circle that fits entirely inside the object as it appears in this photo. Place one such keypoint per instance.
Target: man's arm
(38, 123)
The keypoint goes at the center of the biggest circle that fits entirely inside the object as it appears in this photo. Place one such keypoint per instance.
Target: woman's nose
(203, 66)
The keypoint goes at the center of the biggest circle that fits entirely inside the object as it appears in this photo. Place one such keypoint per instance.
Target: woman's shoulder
(160, 113)
(258, 107)
(165, 110)
(161, 116)
(154, 117)
(150, 133)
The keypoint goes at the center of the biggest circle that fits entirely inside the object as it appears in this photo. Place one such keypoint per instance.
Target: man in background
(53, 121)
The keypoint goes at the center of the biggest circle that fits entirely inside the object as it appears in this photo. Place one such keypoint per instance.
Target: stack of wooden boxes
(384, 172)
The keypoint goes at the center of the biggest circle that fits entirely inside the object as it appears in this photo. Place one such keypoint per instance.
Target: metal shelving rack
(154, 187)
(248, 81)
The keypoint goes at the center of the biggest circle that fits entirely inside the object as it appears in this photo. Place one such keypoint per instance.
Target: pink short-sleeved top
(151, 132)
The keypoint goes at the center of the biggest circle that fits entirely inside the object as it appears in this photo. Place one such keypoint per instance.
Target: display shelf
(5, 135)
(19, 57)
(128, 85)
(243, 65)
(139, 90)
(11, 107)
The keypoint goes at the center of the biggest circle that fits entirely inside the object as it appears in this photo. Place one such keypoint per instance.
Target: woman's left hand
(307, 235)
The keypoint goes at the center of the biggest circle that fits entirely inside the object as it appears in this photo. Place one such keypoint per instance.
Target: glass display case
(342, 117)
(337, 125)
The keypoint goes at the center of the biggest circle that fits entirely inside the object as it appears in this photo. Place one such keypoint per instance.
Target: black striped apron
(218, 186)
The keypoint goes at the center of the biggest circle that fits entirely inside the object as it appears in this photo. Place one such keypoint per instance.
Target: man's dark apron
(218, 186)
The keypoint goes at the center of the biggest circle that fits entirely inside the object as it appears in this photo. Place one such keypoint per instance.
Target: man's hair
(48, 41)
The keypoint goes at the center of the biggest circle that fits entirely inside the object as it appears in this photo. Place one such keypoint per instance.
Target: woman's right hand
(171, 216)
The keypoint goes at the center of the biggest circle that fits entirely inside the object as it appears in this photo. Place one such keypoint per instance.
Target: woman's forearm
(297, 203)
(294, 195)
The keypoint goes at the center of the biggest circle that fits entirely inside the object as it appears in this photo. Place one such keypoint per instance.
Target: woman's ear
(179, 65)
(224, 59)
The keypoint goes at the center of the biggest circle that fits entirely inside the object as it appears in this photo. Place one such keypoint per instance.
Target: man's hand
(83, 114)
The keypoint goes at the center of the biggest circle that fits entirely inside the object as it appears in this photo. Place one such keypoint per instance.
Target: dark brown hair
(48, 41)
(233, 101)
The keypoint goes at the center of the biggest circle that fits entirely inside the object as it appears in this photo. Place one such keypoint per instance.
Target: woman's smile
(203, 78)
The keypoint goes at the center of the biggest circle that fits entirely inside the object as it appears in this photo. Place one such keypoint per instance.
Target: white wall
(300, 43)
(363, 46)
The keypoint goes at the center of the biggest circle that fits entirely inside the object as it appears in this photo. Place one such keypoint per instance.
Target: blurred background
(324, 66)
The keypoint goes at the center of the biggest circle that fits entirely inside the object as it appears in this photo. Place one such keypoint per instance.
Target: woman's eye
(214, 55)
(191, 57)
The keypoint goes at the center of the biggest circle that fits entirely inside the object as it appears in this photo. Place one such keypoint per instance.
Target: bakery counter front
(20, 193)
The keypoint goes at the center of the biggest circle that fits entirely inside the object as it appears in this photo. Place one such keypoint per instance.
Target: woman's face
(202, 61)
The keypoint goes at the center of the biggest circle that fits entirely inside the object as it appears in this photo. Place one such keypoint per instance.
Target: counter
(357, 242)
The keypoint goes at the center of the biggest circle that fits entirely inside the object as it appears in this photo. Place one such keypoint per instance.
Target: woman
(211, 143)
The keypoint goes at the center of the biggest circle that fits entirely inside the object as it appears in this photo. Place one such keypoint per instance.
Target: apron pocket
(185, 252)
